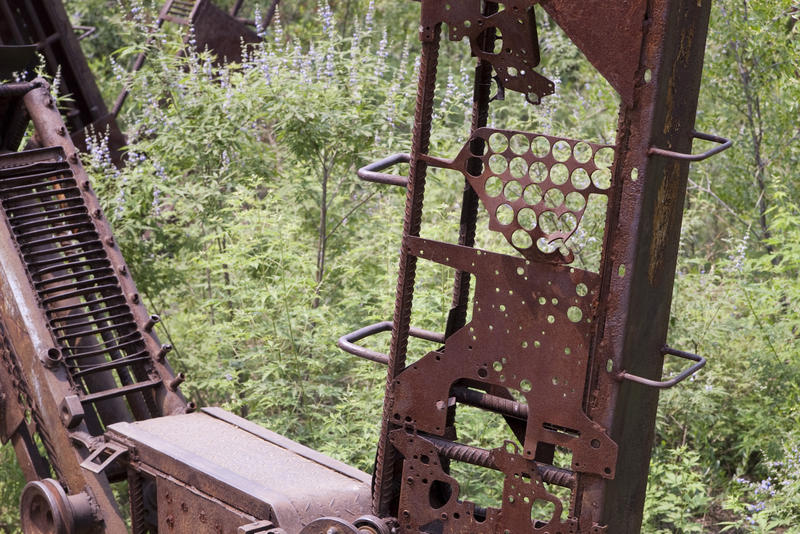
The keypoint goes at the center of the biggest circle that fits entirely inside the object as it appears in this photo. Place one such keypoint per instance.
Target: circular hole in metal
(561, 150)
(567, 223)
(518, 168)
(559, 174)
(498, 164)
(540, 147)
(634, 174)
(574, 314)
(493, 186)
(581, 290)
(519, 144)
(580, 179)
(575, 201)
(512, 191)
(498, 142)
(538, 172)
(525, 385)
(521, 239)
(505, 214)
(532, 195)
(476, 164)
(553, 198)
(602, 178)
(548, 222)
(527, 218)
(582, 152)
(604, 157)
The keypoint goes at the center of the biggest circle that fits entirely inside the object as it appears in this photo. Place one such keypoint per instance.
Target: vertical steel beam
(640, 251)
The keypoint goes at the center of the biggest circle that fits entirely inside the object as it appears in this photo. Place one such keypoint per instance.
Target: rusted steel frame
(386, 460)
(347, 341)
(643, 236)
(484, 458)
(469, 200)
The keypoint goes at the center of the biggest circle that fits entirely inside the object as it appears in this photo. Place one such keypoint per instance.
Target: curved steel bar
(347, 341)
(371, 173)
(664, 384)
(724, 145)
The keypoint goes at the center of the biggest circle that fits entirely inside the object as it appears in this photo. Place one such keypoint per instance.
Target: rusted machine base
(214, 470)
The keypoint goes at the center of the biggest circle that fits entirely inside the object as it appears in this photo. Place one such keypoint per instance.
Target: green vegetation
(245, 227)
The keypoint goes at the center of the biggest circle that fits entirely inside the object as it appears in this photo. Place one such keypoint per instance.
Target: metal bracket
(674, 380)
(346, 342)
(106, 453)
(724, 145)
(371, 173)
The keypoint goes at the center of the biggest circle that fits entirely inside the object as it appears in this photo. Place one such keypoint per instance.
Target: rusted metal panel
(248, 468)
(608, 33)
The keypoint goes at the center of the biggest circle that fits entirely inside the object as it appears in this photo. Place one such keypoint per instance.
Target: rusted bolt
(151, 322)
(202, 517)
(177, 381)
(165, 348)
(134, 297)
(61, 130)
(171, 521)
(184, 507)
(52, 357)
(406, 514)
(168, 497)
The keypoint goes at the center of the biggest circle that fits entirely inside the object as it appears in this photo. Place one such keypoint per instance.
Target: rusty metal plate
(535, 187)
(503, 35)
(609, 34)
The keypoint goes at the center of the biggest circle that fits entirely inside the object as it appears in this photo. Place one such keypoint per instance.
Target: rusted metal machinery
(570, 358)
(87, 395)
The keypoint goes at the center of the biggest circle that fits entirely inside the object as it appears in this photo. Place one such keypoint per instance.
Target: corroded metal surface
(250, 471)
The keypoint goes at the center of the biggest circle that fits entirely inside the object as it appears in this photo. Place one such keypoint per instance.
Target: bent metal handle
(664, 384)
(724, 145)
(347, 341)
(371, 173)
